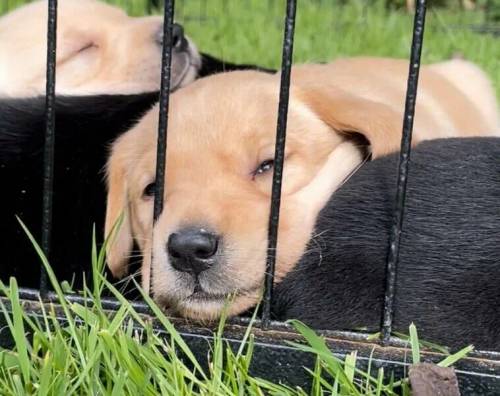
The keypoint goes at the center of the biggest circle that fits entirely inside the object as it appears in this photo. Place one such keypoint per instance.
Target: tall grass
(251, 30)
(90, 351)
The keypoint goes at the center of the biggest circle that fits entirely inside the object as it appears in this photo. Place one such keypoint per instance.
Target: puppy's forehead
(89, 16)
(233, 110)
(230, 118)
(68, 5)
(75, 13)
(225, 106)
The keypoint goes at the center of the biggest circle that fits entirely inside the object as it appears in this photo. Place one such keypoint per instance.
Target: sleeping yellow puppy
(210, 241)
(100, 49)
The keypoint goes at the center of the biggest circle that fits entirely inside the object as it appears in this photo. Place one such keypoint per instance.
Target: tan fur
(99, 50)
(444, 106)
(213, 150)
(471, 80)
(118, 218)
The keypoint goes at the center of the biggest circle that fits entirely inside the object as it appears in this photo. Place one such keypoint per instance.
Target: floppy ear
(117, 227)
(346, 113)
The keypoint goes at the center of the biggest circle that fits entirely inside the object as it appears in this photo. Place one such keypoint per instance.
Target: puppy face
(99, 50)
(210, 241)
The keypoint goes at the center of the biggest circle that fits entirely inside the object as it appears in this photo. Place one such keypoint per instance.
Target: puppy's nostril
(191, 249)
(177, 35)
(179, 42)
(207, 250)
(173, 253)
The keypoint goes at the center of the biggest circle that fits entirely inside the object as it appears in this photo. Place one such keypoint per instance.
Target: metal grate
(287, 56)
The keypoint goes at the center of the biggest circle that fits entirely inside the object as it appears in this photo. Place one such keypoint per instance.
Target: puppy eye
(264, 167)
(150, 190)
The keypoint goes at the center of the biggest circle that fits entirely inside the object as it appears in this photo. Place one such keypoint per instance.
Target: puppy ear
(347, 114)
(118, 230)
(341, 164)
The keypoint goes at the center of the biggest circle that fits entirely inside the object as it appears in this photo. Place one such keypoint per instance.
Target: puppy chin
(179, 296)
(212, 309)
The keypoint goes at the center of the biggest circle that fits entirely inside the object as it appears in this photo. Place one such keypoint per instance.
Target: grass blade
(415, 345)
(452, 359)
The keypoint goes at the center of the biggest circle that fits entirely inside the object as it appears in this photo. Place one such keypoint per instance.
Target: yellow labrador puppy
(100, 49)
(210, 241)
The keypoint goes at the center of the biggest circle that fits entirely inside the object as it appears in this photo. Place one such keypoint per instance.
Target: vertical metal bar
(272, 237)
(48, 154)
(404, 158)
(168, 21)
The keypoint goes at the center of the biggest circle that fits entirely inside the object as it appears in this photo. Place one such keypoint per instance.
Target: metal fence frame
(487, 363)
(286, 66)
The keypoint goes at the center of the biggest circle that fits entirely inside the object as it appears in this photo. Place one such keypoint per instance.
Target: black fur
(448, 279)
(211, 65)
(85, 127)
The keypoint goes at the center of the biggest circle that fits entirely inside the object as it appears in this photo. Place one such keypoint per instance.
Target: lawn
(250, 31)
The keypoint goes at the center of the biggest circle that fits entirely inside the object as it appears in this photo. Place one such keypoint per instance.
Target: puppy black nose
(177, 35)
(179, 41)
(192, 250)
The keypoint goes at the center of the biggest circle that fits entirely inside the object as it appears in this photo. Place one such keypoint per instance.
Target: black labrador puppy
(448, 277)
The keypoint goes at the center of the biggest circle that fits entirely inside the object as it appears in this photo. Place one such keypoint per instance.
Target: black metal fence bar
(404, 158)
(286, 67)
(166, 69)
(48, 158)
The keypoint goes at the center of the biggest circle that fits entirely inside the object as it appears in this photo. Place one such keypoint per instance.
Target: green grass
(251, 31)
(94, 352)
